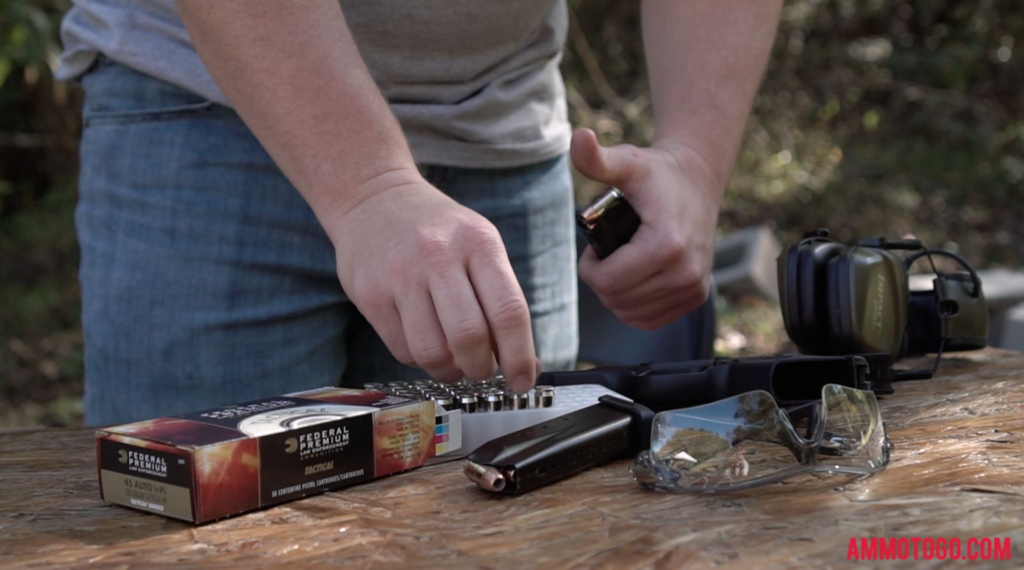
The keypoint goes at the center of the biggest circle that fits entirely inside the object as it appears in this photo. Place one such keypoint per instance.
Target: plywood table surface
(956, 472)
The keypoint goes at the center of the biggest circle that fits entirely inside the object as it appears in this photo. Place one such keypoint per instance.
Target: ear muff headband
(946, 253)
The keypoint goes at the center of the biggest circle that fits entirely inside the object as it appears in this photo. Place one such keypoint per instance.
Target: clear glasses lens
(854, 436)
(747, 440)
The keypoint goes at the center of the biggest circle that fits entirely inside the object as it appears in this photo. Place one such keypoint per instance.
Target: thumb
(611, 166)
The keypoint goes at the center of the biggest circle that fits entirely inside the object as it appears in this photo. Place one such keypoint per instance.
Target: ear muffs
(953, 315)
(838, 299)
(856, 300)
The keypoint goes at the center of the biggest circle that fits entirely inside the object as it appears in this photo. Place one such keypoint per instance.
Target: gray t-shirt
(474, 83)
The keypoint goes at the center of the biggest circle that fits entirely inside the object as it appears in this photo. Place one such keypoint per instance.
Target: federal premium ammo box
(225, 461)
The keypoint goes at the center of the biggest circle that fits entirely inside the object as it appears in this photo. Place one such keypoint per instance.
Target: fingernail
(522, 384)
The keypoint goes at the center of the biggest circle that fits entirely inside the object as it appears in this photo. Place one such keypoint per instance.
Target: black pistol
(792, 379)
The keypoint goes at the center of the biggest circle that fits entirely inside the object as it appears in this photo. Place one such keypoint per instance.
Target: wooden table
(956, 472)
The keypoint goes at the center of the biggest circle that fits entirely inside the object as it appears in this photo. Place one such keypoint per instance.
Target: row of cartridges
(471, 396)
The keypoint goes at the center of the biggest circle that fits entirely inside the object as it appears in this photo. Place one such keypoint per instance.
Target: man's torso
(474, 83)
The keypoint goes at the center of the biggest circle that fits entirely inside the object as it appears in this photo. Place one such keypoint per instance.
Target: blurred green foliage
(40, 333)
(876, 117)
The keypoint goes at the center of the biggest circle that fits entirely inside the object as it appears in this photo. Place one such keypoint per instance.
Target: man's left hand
(664, 271)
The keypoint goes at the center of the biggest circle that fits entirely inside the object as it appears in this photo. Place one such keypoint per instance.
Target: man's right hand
(434, 280)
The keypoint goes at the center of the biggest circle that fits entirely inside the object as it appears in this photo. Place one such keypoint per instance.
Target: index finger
(508, 317)
(628, 266)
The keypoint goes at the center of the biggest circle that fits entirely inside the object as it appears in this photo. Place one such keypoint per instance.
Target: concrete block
(745, 263)
(1012, 333)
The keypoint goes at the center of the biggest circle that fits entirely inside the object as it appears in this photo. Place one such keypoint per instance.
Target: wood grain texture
(956, 472)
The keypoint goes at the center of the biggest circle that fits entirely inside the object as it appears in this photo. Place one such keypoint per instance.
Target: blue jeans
(207, 280)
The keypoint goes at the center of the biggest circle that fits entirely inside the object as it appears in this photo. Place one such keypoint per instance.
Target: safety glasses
(747, 440)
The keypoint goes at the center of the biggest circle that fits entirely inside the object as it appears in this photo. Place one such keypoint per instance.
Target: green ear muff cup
(867, 308)
(954, 301)
(952, 316)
